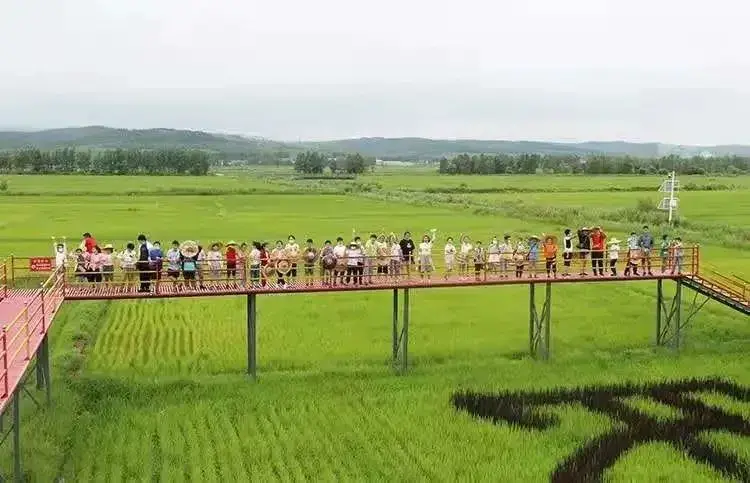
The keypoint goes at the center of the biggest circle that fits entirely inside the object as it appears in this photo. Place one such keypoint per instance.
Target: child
(567, 252)
(339, 270)
(506, 256)
(533, 256)
(614, 254)
(646, 243)
(425, 255)
(255, 263)
(550, 255)
(677, 254)
(242, 255)
(450, 256)
(108, 264)
(598, 244)
(493, 252)
(519, 257)
(664, 253)
(634, 251)
(292, 252)
(464, 255)
(310, 255)
(155, 259)
(128, 259)
(354, 264)
(396, 258)
(480, 258)
(327, 262)
(231, 257)
(213, 258)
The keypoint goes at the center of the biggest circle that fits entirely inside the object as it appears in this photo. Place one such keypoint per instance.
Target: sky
(641, 70)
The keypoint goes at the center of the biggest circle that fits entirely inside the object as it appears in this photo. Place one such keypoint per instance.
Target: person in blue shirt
(155, 259)
(533, 256)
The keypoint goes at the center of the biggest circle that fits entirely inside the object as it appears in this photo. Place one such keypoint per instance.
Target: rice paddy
(156, 390)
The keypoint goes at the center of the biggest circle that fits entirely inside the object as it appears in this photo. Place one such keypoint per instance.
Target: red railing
(733, 285)
(376, 270)
(3, 279)
(21, 336)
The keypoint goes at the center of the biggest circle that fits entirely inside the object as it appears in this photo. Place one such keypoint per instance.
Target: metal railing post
(44, 317)
(5, 362)
(26, 329)
(12, 271)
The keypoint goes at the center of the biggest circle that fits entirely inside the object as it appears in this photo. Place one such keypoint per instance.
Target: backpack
(188, 266)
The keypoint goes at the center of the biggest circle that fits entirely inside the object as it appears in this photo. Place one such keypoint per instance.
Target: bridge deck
(170, 289)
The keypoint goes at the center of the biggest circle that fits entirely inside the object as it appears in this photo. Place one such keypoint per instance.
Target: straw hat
(533, 237)
(613, 241)
(108, 246)
(231, 243)
(189, 248)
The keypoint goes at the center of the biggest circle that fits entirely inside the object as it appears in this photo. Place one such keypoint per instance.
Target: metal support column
(659, 304)
(539, 324)
(17, 437)
(394, 333)
(251, 357)
(44, 348)
(678, 315)
(401, 335)
(405, 333)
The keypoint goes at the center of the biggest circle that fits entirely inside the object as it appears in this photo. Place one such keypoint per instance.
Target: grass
(155, 390)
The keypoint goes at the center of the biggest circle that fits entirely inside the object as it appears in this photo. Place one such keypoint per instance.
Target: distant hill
(110, 138)
(100, 137)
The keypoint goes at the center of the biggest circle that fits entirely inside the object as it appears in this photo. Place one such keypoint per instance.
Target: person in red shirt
(89, 242)
(231, 257)
(598, 242)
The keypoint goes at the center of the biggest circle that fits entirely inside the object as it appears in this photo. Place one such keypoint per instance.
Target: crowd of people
(361, 262)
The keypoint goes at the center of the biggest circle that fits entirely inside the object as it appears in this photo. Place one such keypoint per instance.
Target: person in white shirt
(614, 255)
(341, 266)
(493, 252)
(354, 264)
(214, 257)
(567, 252)
(450, 257)
(254, 261)
(425, 254)
(465, 255)
(506, 256)
(174, 261)
(293, 252)
(397, 255)
(128, 259)
(61, 253)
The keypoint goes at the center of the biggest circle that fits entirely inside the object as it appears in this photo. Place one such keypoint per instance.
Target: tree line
(595, 164)
(313, 162)
(70, 160)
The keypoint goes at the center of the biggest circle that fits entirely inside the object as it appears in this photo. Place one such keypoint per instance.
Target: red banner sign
(40, 264)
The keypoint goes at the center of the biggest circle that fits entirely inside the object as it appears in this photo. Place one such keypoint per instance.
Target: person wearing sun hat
(108, 263)
(231, 258)
(614, 255)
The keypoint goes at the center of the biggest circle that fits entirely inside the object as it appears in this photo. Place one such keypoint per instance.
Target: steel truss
(43, 383)
(670, 320)
(539, 323)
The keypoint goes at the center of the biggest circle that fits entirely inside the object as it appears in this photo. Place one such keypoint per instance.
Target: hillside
(99, 137)
(410, 148)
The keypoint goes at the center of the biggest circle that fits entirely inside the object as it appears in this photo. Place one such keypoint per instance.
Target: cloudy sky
(639, 70)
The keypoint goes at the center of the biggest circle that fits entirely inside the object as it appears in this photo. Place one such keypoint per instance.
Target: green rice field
(157, 391)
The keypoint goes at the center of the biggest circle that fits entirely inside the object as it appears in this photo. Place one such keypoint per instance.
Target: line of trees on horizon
(314, 162)
(595, 164)
(170, 162)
